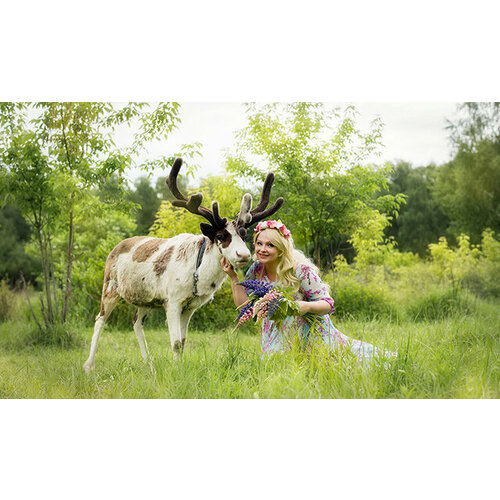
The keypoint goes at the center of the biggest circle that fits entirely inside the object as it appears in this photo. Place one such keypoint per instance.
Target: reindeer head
(229, 236)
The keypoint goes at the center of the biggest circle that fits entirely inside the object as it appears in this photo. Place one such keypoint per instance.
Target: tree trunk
(53, 275)
(69, 263)
(49, 318)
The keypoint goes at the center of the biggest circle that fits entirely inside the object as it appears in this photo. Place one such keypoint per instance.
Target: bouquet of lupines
(266, 301)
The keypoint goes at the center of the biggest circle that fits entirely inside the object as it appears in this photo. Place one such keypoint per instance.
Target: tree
(146, 197)
(54, 154)
(14, 234)
(319, 159)
(468, 187)
(420, 220)
(27, 179)
(476, 122)
(468, 190)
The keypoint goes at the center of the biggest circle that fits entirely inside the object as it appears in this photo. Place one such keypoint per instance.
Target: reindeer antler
(193, 203)
(259, 212)
(244, 215)
(247, 217)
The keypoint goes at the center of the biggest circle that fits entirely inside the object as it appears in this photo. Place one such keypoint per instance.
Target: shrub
(220, 313)
(362, 300)
(20, 334)
(484, 280)
(440, 304)
(7, 301)
(56, 335)
(12, 303)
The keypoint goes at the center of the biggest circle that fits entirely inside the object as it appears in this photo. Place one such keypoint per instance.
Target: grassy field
(455, 357)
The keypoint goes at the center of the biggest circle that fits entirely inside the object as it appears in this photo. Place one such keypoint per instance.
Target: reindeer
(181, 273)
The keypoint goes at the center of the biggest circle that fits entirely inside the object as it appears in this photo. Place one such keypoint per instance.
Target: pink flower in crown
(273, 224)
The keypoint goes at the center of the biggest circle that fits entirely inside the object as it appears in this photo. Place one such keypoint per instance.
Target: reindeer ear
(208, 230)
(243, 232)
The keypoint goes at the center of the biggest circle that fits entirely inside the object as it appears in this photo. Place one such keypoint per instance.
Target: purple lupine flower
(259, 288)
(244, 309)
(273, 305)
(245, 316)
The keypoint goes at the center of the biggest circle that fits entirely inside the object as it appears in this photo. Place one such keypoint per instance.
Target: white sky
(412, 131)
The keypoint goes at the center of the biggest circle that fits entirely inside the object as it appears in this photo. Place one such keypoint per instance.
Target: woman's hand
(303, 307)
(228, 268)
(239, 294)
(320, 307)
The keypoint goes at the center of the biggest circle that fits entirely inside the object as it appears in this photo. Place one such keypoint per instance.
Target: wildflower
(258, 288)
(245, 314)
(266, 301)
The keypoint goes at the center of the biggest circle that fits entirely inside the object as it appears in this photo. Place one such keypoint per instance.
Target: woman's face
(265, 250)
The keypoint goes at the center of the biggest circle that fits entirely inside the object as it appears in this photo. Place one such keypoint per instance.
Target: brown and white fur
(155, 272)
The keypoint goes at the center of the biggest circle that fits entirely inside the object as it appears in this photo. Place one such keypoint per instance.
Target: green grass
(456, 356)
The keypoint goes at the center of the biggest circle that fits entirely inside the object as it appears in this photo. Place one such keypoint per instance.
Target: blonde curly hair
(289, 258)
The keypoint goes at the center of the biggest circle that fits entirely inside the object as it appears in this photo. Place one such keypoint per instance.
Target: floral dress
(273, 339)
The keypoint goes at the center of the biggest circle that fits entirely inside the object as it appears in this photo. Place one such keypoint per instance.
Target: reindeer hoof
(88, 367)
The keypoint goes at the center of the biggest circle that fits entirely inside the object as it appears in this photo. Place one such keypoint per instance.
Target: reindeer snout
(243, 256)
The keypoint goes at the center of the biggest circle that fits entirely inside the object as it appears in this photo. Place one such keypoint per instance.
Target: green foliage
(440, 305)
(420, 220)
(468, 190)
(475, 267)
(20, 331)
(172, 220)
(51, 163)
(14, 234)
(476, 122)
(382, 282)
(468, 187)
(218, 314)
(100, 228)
(453, 264)
(362, 300)
(368, 240)
(56, 335)
(317, 156)
(456, 357)
(9, 302)
(483, 276)
(146, 197)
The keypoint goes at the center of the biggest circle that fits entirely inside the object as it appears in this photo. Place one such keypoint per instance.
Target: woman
(278, 262)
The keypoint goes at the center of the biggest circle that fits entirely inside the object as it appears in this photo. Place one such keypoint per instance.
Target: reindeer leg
(185, 318)
(174, 327)
(139, 318)
(108, 303)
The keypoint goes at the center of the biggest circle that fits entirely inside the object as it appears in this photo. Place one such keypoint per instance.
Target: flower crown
(273, 224)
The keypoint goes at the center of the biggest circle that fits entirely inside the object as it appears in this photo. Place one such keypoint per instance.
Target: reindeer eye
(220, 237)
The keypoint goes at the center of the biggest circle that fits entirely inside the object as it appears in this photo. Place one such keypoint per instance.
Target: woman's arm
(315, 292)
(320, 307)
(239, 294)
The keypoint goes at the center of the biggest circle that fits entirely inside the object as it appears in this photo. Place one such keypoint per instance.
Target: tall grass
(452, 357)
(447, 337)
